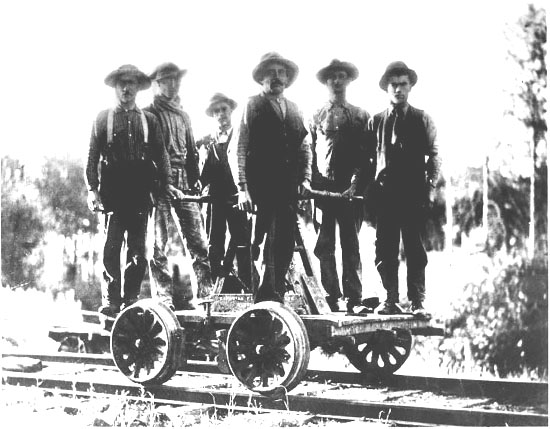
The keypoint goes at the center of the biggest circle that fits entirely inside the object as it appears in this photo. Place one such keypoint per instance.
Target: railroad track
(322, 394)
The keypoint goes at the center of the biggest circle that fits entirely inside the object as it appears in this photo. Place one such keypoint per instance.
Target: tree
(22, 227)
(63, 192)
(530, 108)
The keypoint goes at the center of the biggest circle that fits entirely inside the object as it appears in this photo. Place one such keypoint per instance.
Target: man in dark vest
(120, 174)
(407, 169)
(217, 176)
(184, 163)
(274, 165)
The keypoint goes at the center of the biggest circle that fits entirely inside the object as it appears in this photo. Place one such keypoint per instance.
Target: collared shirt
(128, 139)
(340, 136)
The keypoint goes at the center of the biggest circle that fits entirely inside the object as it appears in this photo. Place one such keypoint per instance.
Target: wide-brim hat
(167, 70)
(335, 65)
(128, 70)
(397, 68)
(274, 57)
(217, 98)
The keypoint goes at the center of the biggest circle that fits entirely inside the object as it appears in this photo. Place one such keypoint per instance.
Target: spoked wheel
(147, 342)
(382, 353)
(268, 349)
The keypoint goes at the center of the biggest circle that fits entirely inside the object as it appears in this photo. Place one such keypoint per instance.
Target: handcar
(265, 345)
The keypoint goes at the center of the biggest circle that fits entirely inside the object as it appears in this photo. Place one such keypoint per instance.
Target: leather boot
(390, 281)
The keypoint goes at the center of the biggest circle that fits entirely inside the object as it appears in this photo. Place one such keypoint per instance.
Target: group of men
(392, 159)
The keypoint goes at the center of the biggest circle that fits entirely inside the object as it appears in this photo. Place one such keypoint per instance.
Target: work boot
(418, 310)
(390, 307)
(109, 310)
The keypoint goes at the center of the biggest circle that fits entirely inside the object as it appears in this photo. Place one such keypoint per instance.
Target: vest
(404, 168)
(272, 165)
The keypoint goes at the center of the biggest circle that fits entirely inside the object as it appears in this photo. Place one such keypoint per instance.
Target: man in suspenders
(216, 174)
(125, 157)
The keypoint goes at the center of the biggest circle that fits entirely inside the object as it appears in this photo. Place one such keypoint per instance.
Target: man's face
(126, 89)
(338, 81)
(169, 86)
(222, 113)
(275, 79)
(399, 88)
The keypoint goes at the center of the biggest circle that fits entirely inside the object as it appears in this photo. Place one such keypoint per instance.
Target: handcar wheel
(147, 342)
(383, 353)
(268, 349)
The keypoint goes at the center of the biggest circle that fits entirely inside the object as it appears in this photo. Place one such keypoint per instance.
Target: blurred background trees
(51, 241)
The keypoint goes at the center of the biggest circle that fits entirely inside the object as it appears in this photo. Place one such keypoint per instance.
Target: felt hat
(334, 65)
(128, 70)
(167, 70)
(395, 69)
(274, 57)
(218, 97)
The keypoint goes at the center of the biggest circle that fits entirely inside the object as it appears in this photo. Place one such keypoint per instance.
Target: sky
(57, 54)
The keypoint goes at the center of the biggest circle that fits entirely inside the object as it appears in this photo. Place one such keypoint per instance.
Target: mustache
(276, 82)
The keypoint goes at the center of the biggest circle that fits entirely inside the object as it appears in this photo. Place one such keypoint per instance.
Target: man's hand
(350, 192)
(305, 188)
(174, 192)
(245, 200)
(94, 201)
(197, 187)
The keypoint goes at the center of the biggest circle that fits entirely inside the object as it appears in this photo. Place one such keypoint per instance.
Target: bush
(504, 319)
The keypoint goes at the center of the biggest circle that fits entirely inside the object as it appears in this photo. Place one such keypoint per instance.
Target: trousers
(134, 225)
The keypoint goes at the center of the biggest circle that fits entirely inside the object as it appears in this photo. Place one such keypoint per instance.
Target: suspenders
(110, 120)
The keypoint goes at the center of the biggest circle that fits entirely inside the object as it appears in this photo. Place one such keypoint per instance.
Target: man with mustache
(184, 162)
(407, 169)
(274, 165)
(340, 140)
(216, 174)
(120, 174)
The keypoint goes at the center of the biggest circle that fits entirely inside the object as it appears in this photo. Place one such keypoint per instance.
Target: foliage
(504, 319)
(22, 229)
(63, 193)
(509, 198)
(530, 107)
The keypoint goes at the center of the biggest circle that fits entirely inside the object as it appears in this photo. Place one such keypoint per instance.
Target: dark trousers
(278, 220)
(117, 225)
(394, 221)
(224, 216)
(190, 222)
(346, 215)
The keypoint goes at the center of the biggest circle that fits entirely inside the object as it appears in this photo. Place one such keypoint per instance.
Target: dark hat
(128, 70)
(218, 97)
(397, 68)
(167, 70)
(274, 57)
(334, 65)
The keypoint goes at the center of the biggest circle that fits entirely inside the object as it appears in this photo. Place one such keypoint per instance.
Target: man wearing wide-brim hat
(184, 161)
(274, 165)
(222, 215)
(120, 175)
(340, 141)
(407, 169)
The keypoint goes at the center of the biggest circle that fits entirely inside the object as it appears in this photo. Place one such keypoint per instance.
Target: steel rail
(299, 403)
(499, 389)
